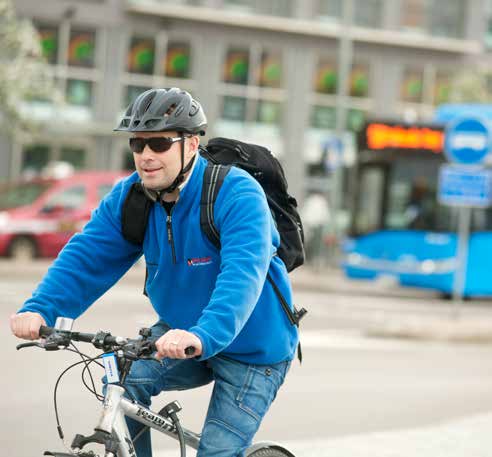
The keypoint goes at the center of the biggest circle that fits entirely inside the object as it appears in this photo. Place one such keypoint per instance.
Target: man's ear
(194, 143)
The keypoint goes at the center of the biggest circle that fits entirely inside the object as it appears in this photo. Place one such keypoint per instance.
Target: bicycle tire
(270, 452)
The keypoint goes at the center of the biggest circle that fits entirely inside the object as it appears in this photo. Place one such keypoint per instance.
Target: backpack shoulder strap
(135, 214)
(213, 179)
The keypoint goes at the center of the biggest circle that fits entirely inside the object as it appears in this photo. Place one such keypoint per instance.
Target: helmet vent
(146, 102)
(193, 110)
(151, 123)
(129, 110)
(170, 110)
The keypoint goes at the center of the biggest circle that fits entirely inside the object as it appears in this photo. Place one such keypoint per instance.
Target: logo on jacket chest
(199, 261)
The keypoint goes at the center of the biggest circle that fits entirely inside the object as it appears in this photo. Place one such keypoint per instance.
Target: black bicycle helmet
(161, 110)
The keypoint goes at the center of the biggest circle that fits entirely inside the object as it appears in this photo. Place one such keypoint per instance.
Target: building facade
(266, 71)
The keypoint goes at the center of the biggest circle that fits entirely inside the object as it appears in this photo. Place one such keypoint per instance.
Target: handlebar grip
(45, 331)
(190, 350)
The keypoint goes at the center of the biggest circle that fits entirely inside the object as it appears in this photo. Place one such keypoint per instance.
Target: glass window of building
(79, 92)
(269, 73)
(185, 2)
(328, 10)
(141, 56)
(268, 7)
(35, 157)
(268, 112)
(234, 108)
(241, 6)
(412, 85)
(488, 32)
(73, 155)
(48, 36)
(442, 87)
(323, 117)
(359, 80)
(414, 15)
(283, 8)
(236, 66)
(177, 61)
(326, 77)
(368, 13)
(447, 18)
(132, 92)
(81, 48)
(355, 119)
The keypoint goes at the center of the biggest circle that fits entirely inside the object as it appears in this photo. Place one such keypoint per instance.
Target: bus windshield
(402, 195)
(21, 194)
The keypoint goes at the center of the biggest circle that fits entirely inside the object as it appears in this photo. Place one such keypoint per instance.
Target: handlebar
(101, 340)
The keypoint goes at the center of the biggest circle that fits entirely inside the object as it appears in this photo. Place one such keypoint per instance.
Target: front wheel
(270, 452)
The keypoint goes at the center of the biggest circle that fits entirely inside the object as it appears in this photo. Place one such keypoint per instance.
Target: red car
(38, 217)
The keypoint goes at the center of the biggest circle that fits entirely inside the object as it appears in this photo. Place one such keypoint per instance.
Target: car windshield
(21, 194)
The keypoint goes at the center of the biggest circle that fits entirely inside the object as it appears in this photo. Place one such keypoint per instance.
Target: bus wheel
(22, 248)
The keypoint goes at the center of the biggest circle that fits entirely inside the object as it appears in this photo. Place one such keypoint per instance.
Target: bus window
(411, 197)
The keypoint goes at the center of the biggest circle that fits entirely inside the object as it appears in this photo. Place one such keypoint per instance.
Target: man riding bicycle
(214, 300)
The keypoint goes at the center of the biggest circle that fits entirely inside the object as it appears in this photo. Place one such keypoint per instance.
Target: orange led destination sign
(382, 136)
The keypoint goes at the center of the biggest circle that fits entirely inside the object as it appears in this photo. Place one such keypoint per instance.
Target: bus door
(369, 208)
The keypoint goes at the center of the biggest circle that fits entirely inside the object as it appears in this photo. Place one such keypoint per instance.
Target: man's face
(158, 170)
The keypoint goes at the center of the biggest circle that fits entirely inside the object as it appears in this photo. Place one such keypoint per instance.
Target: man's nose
(147, 153)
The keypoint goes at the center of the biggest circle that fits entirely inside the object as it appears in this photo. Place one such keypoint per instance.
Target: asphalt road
(348, 384)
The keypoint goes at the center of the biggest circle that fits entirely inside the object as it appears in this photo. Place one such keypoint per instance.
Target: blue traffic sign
(467, 140)
(461, 186)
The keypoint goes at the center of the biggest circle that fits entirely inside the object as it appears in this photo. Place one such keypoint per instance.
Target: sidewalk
(393, 311)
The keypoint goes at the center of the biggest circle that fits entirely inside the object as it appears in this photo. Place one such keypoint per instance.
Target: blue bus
(397, 226)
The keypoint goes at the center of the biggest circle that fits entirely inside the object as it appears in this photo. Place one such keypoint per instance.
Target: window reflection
(81, 48)
(442, 87)
(328, 10)
(141, 54)
(49, 43)
(234, 108)
(326, 77)
(359, 80)
(268, 112)
(177, 62)
(236, 66)
(269, 73)
(412, 85)
(79, 92)
(368, 13)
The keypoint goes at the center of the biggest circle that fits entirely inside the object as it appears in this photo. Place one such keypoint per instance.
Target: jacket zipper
(170, 238)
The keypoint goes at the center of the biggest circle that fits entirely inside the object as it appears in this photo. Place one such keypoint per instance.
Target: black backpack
(266, 169)
(222, 153)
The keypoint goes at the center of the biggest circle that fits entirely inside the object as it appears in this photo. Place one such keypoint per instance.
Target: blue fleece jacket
(222, 297)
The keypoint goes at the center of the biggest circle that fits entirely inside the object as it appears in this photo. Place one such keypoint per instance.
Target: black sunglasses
(157, 144)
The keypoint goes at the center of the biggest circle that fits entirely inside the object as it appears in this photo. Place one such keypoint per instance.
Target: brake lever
(28, 345)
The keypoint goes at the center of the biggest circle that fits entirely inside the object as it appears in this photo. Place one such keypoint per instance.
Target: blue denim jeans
(241, 396)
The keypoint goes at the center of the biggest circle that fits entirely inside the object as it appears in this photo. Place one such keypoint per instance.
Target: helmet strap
(180, 177)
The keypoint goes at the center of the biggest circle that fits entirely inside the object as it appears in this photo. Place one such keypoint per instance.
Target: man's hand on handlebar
(174, 342)
(26, 325)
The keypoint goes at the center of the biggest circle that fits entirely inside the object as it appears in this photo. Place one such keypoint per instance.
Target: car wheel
(22, 248)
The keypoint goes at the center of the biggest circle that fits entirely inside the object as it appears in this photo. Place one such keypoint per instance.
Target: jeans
(241, 396)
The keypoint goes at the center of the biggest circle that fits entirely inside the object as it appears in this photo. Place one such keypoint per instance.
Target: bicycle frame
(116, 407)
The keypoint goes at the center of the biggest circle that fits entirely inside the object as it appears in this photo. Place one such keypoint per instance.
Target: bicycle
(118, 355)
